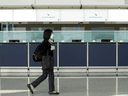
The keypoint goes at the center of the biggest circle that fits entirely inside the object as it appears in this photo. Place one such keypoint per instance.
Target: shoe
(53, 92)
(30, 88)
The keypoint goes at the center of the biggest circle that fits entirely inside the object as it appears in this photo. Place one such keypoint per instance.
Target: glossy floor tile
(67, 86)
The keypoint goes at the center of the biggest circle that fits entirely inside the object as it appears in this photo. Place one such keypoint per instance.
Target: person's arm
(51, 47)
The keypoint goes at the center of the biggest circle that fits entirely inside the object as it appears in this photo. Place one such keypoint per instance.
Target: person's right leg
(51, 81)
(40, 79)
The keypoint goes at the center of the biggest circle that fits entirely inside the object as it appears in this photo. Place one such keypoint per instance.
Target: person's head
(47, 34)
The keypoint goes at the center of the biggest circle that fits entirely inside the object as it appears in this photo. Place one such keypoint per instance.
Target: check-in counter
(84, 57)
(102, 54)
(13, 58)
(13, 54)
(122, 58)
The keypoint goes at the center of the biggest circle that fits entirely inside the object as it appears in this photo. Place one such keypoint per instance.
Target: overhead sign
(95, 15)
(48, 15)
(66, 15)
(118, 15)
(24, 15)
(6, 15)
(72, 15)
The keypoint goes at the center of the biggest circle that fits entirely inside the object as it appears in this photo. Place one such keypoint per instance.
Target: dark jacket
(46, 46)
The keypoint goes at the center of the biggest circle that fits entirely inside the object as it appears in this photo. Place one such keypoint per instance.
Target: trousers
(43, 77)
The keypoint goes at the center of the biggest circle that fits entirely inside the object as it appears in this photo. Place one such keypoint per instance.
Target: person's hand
(52, 47)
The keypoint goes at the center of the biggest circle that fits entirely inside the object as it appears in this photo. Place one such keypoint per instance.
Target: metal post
(28, 60)
(28, 83)
(57, 84)
(116, 85)
(58, 66)
(116, 58)
(87, 86)
(57, 55)
(87, 57)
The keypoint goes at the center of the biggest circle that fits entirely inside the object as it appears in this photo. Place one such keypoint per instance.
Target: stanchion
(57, 66)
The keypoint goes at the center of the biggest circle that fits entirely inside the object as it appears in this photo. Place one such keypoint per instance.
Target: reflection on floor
(67, 86)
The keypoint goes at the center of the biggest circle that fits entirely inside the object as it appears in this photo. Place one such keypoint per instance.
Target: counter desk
(67, 55)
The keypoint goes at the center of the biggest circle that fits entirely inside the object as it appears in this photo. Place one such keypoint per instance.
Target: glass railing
(65, 36)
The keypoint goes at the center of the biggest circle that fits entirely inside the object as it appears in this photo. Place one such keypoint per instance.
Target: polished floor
(67, 86)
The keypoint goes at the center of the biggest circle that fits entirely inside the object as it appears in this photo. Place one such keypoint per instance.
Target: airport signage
(63, 15)
(48, 15)
(96, 15)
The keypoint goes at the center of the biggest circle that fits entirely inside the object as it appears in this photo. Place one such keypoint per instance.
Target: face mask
(52, 36)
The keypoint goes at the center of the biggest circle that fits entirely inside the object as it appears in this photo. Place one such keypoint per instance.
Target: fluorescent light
(33, 41)
(62, 41)
(121, 40)
(93, 40)
(111, 40)
(4, 41)
(24, 40)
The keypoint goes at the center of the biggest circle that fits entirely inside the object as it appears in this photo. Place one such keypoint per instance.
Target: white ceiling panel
(103, 2)
(16, 2)
(57, 2)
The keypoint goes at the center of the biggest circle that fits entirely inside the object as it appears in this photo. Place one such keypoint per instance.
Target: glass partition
(34, 36)
(68, 36)
(65, 36)
(121, 36)
(97, 36)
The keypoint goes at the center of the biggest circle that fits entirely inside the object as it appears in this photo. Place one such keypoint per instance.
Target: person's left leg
(40, 79)
(35, 83)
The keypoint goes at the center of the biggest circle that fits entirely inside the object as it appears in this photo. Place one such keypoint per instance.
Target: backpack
(37, 57)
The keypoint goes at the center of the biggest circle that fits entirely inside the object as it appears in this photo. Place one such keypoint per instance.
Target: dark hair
(47, 34)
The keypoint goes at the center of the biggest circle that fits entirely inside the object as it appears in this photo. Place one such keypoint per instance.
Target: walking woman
(48, 34)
